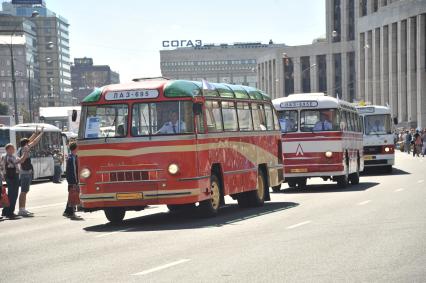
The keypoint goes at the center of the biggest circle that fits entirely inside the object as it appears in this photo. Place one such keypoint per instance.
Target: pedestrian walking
(57, 159)
(417, 142)
(424, 142)
(72, 179)
(26, 172)
(9, 165)
(407, 142)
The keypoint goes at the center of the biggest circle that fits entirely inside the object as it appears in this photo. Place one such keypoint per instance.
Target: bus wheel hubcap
(260, 187)
(215, 195)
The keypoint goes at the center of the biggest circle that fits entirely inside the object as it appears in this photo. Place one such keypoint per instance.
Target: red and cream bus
(322, 137)
(179, 143)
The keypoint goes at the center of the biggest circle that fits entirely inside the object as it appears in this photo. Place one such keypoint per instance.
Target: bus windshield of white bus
(4, 137)
(288, 120)
(319, 120)
(379, 124)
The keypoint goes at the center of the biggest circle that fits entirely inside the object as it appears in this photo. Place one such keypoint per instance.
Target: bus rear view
(379, 147)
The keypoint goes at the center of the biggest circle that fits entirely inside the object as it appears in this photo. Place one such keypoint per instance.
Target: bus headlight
(328, 154)
(387, 149)
(85, 173)
(173, 169)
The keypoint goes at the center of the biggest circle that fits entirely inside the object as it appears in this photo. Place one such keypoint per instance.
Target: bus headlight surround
(328, 154)
(173, 169)
(85, 173)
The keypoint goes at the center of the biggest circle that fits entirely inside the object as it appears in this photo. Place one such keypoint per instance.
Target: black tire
(292, 184)
(210, 207)
(115, 215)
(180, 207)
(276, 189)
(343, 181)
(354, 177)
(389, 169)
(255, 198)
(301, 184)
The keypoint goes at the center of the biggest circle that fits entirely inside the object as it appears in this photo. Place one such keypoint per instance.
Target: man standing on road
(72, 179)
(407, 142)
(9, 165)
(26, 172)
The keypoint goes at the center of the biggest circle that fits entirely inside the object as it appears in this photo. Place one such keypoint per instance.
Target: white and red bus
(171, 142)
(379, 147)
(322, 137)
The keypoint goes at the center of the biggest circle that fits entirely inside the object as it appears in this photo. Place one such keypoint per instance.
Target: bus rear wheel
(354, 177)
(301, 184)
(115, 215)
(210, 207)
(276, 189)
(256, 197)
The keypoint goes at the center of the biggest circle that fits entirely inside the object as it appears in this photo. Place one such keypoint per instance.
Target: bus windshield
(104, 121)
(4, 137)
(288, 120)
(378, 124)
(319, 120)
(162, 118)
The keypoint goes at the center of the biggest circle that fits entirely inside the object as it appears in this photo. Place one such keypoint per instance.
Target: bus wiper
(107, 135)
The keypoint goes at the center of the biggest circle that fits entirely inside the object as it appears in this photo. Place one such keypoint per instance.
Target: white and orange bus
(322, 137)
(175, 142)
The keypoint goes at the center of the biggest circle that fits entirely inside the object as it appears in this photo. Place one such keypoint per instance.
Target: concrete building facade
(229, 63)
(85, 77)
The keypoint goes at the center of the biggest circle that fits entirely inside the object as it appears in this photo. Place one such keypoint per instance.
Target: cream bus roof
(310, 100)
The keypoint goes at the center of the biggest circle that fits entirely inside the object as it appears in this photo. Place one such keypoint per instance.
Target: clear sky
(128, 34)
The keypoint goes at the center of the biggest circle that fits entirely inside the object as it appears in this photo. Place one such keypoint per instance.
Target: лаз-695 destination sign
(131, 94)
(297, 104)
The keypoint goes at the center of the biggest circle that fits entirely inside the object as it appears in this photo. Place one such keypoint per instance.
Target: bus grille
(372, 150)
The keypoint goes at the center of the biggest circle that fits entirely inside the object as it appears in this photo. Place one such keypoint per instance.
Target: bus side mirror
(395, 120)
(74, 115)
(197, 108)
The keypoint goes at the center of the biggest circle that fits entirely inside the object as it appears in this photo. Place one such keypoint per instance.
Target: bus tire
(210, 207)
(292, 184)
(115, 215)
(301, 184)
(255, 198)
(180, 207)
(276, 189)
(354, 177)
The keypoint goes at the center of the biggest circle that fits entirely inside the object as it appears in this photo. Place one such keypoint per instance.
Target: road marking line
(47, 205)
(299, 224)
(161, 267)
(364, 202)
(111, 233)
(399, 190)
(420, 181)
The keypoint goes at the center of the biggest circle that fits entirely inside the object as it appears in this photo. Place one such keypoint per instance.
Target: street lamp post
(12, 67)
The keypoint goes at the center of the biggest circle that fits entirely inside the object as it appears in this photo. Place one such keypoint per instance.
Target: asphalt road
(375, 231)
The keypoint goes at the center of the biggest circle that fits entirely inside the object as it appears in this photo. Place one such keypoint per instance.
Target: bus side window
(199, 120)
(229, 113)
(269, 117)
(258, 117)
(213, 117)
(343, 121)
(244, 116)
(361, 124)
(351, 121)
(276, 121)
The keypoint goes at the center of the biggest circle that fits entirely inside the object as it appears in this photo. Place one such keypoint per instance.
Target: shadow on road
(228, 215)
(329, 188)
(379, 171)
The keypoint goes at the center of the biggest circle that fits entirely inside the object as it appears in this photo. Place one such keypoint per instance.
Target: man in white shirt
(323, 124)
(377, 127)
(174, 126)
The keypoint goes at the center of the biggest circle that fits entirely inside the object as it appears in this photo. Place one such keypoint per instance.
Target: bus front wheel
(276, 189)
(210, 207)
(115, 215)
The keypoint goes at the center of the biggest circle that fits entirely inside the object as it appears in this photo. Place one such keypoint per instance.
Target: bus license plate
(299, 170)
(369, 157)
(129, 196)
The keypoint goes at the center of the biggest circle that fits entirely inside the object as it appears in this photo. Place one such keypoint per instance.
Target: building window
(306, 73)
(352, 76)
(375, 5)
(337, 20)
(337, 59)
(322, 73)
(288, 76)
(363, 7)
(351, 20)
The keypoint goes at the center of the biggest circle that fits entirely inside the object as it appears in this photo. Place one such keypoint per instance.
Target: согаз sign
(182, 43)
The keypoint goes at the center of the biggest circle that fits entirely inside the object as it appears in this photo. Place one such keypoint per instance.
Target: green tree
(4, 109)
